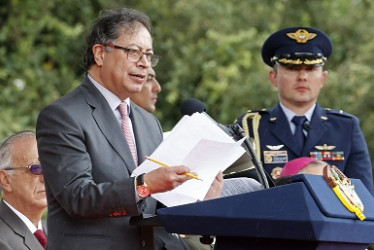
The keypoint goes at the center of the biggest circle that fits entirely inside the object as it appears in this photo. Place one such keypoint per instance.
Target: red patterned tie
(127, 130)
(39, 234)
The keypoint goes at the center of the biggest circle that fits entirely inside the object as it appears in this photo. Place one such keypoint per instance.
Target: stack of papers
(197, 142)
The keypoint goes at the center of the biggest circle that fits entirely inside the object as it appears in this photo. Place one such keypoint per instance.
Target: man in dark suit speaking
(23, 192)
(92, 139)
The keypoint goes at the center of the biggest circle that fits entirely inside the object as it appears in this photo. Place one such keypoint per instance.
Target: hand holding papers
(167, 166)
(197, 142)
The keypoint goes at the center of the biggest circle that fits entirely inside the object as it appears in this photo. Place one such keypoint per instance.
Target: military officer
(297, 126)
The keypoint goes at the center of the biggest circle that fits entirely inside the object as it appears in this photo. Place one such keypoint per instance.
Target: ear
(272, 76)
(5, 181)
(324, 78)
(98, 52)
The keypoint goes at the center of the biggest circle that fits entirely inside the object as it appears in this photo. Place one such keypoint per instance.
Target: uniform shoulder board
(260, 111)
(337, 112)
(250, 114)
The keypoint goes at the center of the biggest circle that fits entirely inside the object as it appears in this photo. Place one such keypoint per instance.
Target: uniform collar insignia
(277, 147)
(324, 118)
(302, 36)
(325, 147)
(272, 119)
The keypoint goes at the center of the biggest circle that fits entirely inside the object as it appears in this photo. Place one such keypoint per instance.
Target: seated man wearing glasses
(24, 199)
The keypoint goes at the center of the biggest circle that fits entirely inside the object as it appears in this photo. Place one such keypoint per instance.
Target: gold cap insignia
(302, 36)
(299, 61)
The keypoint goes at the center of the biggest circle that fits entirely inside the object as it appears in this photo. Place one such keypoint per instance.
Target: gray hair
(108, 26)
(6, 147)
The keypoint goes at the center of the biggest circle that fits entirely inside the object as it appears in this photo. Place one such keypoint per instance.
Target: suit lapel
(107, 123)
(136, 124)
(18, 226)
(147, 131)
(317, 129)
(282, 129)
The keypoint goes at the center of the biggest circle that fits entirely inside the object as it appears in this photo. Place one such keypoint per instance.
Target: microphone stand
(259, 169)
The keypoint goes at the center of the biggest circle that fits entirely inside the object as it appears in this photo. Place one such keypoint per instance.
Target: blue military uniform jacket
(333, 136)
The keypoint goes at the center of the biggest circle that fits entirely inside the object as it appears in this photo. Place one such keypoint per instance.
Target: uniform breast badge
(275, 155)
(344, 190)
(326, 153)
(275, 173)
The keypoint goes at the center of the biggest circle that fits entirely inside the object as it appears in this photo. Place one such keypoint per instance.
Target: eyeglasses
(135, 55)
(33, 169)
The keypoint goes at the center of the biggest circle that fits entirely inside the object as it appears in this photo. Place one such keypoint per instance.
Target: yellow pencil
(167, 166)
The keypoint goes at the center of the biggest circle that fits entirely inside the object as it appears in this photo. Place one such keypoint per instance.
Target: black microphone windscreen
(306, 126)
(192, 105)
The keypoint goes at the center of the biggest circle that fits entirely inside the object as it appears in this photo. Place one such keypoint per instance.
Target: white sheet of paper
(206, 160)
(197, 142)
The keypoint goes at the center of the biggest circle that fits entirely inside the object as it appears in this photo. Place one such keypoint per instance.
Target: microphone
(306, 126)
(193, 105)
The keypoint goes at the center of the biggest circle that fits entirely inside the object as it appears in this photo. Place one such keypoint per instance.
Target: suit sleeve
(83, 190)
(359, 163)
(4, 246)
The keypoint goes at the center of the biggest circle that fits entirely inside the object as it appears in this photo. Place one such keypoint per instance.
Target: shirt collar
(111, 98)
(25, 220)
(290, 114)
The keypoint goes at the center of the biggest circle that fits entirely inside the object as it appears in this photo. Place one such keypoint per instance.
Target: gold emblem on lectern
(344, 190)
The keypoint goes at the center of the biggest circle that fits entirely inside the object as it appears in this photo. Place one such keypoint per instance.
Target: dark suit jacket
(14, 234)
(327, 127)
(87, 166)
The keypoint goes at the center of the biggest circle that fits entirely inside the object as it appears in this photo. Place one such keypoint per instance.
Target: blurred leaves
(211, 50)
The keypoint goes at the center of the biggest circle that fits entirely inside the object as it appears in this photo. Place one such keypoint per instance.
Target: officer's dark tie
(299, 134)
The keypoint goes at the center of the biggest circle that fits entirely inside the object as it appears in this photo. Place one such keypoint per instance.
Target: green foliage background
(210, 50)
